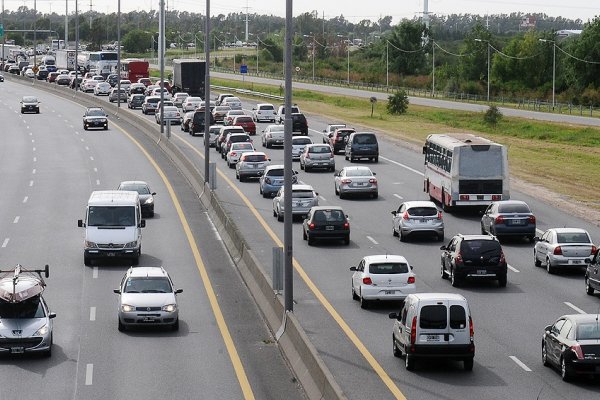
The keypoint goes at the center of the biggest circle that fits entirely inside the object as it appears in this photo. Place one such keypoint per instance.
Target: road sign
(1, 30)
(243, 69)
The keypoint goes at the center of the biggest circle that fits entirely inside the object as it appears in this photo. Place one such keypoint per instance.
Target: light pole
(119, 54)
(387, 62)
(207, 97)
(553, 67)
(433, 68)
(348, 51)
(488, 66)
(313, 55)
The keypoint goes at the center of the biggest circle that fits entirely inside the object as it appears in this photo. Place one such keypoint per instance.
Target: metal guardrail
(248, 92)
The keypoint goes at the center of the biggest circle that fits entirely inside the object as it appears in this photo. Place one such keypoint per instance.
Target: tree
(492, 116)
(397, 103)
(405, 49)
(474, 66)
(586, 47)
(137, 41)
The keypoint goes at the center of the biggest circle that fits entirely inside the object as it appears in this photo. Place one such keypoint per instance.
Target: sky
(353, 10)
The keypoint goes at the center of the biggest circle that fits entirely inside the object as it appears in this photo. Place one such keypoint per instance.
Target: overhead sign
(243, 69)
(1, 30)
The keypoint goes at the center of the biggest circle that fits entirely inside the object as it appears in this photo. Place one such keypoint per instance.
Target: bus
(103, 62)
(465, 170)
(134, 69)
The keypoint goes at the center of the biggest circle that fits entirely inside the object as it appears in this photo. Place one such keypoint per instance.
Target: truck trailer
(189, 76)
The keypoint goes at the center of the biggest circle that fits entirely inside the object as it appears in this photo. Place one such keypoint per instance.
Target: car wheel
(536, 262)
(545, 361)
(87, 261)
(354, 295)
(106, 128)
(502, 280)
(342, 195)
(310, 240)
(531, 238)
(395, 349)
(394, 232)
(151, 215)
(306, 168)
(443, 272)
(85, 128)
(121, 327)
(409, 362)
(565, 374)
(48, 353)
(468, 364)
(364, 304)
(335, 189)
(588, 289)
(375, 159)
(279, 216)
(135, 260)
(402, 236)
(549, 266)
(454, 280)
(440, 237)
(175, 326)
(347, 240)
(375, 195)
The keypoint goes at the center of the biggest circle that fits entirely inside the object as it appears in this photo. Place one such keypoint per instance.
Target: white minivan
(434, 325)
(113, 222)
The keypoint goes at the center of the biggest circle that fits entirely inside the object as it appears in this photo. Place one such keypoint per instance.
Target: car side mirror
(179, 291)
(443, 248)
(117, 291)
(412, 267)
(143, 223)
(51, 315)
(394, 213)
(295, 172)
(548, 329)
(324, 130)
(316, 194)
(374, 173)
(353, 269)
(153, 193)
(80, 223)
(588, 260)
(536, 239)
(394, 315)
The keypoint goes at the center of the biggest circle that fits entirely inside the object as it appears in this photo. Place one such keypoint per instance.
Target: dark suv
(299, 123)
(473, 256)
(362, 145)
(198, 122)
(338, 138)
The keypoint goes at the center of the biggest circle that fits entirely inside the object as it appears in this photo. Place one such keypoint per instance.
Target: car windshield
(141, 189)
(30, 308)
(388, 268)
(573, 237)
(358, 172)
(329, 216)
(588, 331)
(422, 211)
(255, 158)
(96, 113)
(148, 285)
(513, 208)
(365, 139)
(320, 149)
(303, 194)
(111, 216)
(474, 247)
(29, 99)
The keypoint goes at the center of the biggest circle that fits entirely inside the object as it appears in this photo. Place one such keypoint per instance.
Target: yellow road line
(231, 349)
(387, 380)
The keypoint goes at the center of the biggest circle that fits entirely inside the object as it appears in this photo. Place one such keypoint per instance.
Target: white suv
(264, 111)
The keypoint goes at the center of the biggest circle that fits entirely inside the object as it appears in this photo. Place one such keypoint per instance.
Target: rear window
(255, 158)
(365, 139)
(275, 172)
(458, 317)
(473, 247)
(513, 208)
(388, 268)
(267, 107)
(433, 317)
(303, 194)
(320, 149)
(155, 101)
(422, 211)
(238, 138)
(243, 119)
(329, 216)
(242, 146)
(578, 237)
(302, 141)
(359, 172)
(588, 331)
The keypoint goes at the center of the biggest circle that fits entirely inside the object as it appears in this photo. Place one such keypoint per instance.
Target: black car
(592, 275)
(95, 117)
(473, 256)
(572, 344)
(362, 145)
(299, 123)
(42, 74)
(326, 222)
(198, 122)
(135, 101)
(509, 218)
(1, 78)
(146, 195)
(30, 104)
(113, 79)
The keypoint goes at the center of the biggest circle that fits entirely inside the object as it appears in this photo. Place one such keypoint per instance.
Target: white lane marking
(92, 158)
(77, 132)
(402, 165)
(30, 183)
(34, 149)
(33, 172)
(25, 199)
(520, 363)
(87, 148)
(214, 229)
(98, 182)
(95, 169)
(579, 310)
(398, 196)
(322, 198)
(301, 182)
(16, 220)
(32, 140)
(27, 126)
(92, 313)
(5, 243)
(34, 159)
(89, 372)
(372, 240)
(82, 140)
(95, 273)
(71, 126)
(513, 269)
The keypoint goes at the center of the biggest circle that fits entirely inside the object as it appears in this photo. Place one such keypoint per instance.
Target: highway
(355, 343)
(49, 167)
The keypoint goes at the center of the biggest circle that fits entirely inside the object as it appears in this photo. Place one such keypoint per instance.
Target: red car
(246, 122)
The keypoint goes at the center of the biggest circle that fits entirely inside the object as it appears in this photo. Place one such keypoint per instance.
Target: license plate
(481, 272)
(575, 261)
(432, 338)
(17, 350)
(389, 292)
(111, 254)
(148, 319)
(329, 228)
(517, 222)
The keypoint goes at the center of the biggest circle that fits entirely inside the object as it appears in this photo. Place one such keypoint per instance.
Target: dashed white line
(25, 199)
(402, 165)
(92, 158)
(398, 196)
(82, 140)
(5, 243)
(372, 240)
(32, 140)
(30, 183)
(89, 372)
(34, 149)
(92, 313)
(33, 171)
(95, 169)
(579, 310)
(16, 220)
(34, 159)
(520, 363)
(322, 198)
(87, 148)
(513, 269)
(95, 273)
(97, 182)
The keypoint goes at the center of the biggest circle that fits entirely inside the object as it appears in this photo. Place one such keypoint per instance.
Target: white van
(113, 222)
(434, 325)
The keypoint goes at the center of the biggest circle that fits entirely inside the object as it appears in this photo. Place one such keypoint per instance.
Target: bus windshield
(481, 164)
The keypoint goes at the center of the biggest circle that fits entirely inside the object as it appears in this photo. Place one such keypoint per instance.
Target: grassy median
(560, 157)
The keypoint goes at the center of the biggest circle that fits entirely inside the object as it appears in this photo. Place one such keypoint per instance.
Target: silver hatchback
(563, 247)
(417, 216)
(303, 198)
(251, 165)
(357, 181)
(147, 298)
(317, 156)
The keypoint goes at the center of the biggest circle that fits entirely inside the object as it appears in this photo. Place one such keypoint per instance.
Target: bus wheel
(445, 206)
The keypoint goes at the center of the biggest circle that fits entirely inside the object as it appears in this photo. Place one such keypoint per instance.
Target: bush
(492, 116)
(397, 103)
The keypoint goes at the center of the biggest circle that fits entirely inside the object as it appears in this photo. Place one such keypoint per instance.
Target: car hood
(9, 327)
(148, 299)
(92, 117)
(30, 103)
(111, 235)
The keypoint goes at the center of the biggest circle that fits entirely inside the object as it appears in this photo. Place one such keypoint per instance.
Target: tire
(454, 280)
(375, 159)
(588, 289)
(135, 260)
(347, 240)
(85, 128)
(87, 261)
(440, 237)
(394, 232)
(395, 349)
(121, 327)
(354, 295)
(279, 217)
(402, 236)
(536, 262)
(337, 192)
(302, 166)
(175, 326)
(242, 178)
(549, 267)
(151, 215)
(502, 280)
(565, 374)
(531, 238)
(310, 240)
(345, 156)
(545, 361)
(375, 195)
(409, 362)
(106, 128)
(443, 273)
(468, 364)
(341, 194)
(364, 304)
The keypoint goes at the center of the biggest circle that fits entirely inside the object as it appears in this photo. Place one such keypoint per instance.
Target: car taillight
(405, 215)
(502, 259)
(373, 181)
(346, 225)
(464, 197)
(557, 251)
(346, 181)
(233, 154)
(458, 259)
(531, 219)
(496, 197)
(411, 279)
(439, 215)
(311, 226)
(499, 220)
(471, 329)
(367, 281)
(577, 350)
(594, 249)
(413, 331)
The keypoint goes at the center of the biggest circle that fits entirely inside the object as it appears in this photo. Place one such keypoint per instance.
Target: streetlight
(387, 62)
(348, 51)
(433, 68)
(553, 67)
(313, 54)
(488, 66)
(196, 40)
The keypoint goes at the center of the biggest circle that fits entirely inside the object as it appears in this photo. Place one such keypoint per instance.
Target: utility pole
(34, 34)
(288, 269)
(90, 14)
(76, 43)
(246, 37)
(207, 97)
(118, 53)
(66, 24)
(161, 55)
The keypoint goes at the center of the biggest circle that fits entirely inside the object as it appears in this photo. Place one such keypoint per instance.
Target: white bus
(104, 62)
(465, 170)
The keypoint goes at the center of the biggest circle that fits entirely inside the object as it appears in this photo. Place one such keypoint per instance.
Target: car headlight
(132, 244)
(42, 331)
(170, 308)
(91, 245)
(149, 201)
(127, 308)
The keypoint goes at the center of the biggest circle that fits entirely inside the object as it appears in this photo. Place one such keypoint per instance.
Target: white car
(566, 248)
(125, 84)
(179, 98)
(88, 85)
(236, 150)
(382, 277)
(273, 135)
(264, 111)
(29, 73)
(191, 103)
(234, 102)
(298, 145)
(156, 92)
(171, 113)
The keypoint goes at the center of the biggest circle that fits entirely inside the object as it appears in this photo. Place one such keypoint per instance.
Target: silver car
(213, 131)
(171, 113)
(298, 145)
(273, 135)
(251, 165)
(417, 216)
(147, 298)
(563, 247)
(317, 156)
(303, 198)
(357, 181)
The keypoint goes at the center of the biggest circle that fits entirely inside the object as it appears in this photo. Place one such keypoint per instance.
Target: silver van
(434, 325)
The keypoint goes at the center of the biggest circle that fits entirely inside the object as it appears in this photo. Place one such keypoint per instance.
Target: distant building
(568, 32)
(528, 22)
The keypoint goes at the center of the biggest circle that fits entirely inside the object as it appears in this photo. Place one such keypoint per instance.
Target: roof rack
(19, 284)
